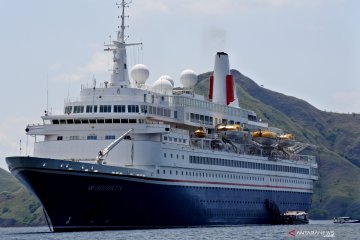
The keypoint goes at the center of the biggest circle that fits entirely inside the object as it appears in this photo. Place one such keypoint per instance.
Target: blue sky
(309, 49)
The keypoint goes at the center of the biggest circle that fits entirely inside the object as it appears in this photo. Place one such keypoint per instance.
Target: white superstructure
(177, 134)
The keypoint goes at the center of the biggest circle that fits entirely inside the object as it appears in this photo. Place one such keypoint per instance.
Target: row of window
(174, 139)
(250, 191)
(96, 121)
(212, 175)
(161, 111)
(211, 107)
(90, 137)
(243, 164)
(171, 156)
(198, 118)
(104, 109)
(286, 180)
(228, 176)
(120, 109)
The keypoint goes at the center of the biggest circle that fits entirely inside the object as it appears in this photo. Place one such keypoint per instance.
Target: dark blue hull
(78, 200)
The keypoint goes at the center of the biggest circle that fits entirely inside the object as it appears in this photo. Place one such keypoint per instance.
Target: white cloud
(72, 77)
(99, 64)
(54, 67)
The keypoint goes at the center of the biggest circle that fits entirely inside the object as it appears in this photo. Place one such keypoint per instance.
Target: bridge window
(133, 108)
(91, 137)
(89, 109)
(68, 109)
(105, 108)
(78, 109)
(119, 108)
(144, 108)
(252, 118)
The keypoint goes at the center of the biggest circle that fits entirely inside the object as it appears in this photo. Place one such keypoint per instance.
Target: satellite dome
(168, 78)
(140, 73)
(188, 78)
(163, 85)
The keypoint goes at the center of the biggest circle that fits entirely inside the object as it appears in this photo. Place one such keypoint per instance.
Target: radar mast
(120, 75)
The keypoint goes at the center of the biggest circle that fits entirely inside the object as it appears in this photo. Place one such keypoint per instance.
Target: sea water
(314, 230)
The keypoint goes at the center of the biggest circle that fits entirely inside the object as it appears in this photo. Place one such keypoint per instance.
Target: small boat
(345, 220)
(286, 140)
(200, 132)
(229, 127)
(233, 132)
(295, 217)
(265, 137)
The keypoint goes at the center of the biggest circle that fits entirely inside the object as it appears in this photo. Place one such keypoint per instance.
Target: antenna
(47, 91)
(68, 93)
(121, 32)
(27, 142)
(20, 147)
(94, 92)
(94, 82)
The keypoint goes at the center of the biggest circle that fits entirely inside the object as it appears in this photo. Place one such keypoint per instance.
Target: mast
(120, 75)
(121, 32)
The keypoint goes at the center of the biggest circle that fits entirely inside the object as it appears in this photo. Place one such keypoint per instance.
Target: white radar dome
(188, 78)
(163, 85)
(140, 73)
(168, 78)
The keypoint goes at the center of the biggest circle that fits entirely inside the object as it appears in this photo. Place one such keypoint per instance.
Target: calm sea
(314, 230)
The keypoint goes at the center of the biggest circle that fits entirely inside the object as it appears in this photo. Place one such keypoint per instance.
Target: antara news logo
(312, 233)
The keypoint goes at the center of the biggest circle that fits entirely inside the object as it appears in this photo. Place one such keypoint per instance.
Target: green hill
(17, 206)
(336, 135)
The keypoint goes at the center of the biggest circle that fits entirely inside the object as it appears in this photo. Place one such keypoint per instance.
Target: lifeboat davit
(233, 132)
(265, 137)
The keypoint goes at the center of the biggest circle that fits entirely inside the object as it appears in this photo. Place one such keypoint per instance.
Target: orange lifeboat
(287, 136)
(230, 127)
(200, 133)
(264, 134)
(264, 137)
(286, 140)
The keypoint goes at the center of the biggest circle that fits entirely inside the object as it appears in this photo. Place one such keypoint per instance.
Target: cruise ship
(127, 154)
